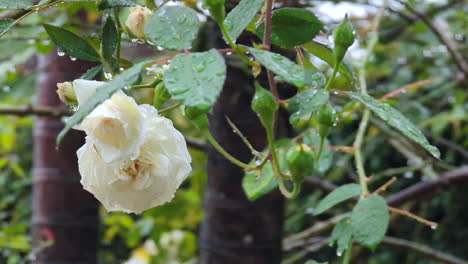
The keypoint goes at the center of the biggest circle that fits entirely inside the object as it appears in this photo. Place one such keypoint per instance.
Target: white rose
(115, 127)
(137, 20)
(148, 158)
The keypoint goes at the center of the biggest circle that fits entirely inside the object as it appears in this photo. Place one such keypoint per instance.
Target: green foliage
(172, 27)
(241, 16)
(257, 183)
(340, 194)
(282, 66)
(369, 220)
(196, 79)
(110, 38)
(16, 4)
(71, 43)
(125, 79)
(396, 120)
(5, 25)
(91, 73)
(304, 104)
(292, 27)
(326, 54)
(216, 8)
(342, 235)
(107, 4)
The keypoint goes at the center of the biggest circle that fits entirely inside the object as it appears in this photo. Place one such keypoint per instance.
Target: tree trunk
(234, 229)
(62, 210)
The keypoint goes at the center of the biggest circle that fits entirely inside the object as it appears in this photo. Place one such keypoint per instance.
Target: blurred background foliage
(408, 52)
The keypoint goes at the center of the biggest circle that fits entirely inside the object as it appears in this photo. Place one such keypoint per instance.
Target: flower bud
(344, 38)
(66, 93)
(265, 105)
(300, 162)
(216, 8)
(161, 95)
(326, 118)
(137, 20)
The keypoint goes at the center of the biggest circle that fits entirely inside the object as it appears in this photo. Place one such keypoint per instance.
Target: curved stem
(224, 152)
(332, 77)
(168, 109)
(234, 45)
(349, 250)
(357, 152)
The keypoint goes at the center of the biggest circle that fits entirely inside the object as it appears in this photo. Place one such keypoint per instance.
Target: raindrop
(127, 87)
(339, 253)
(433, 227)
(108, 75)
(200, 67)
(408, 174)
(277, 57)
(60, 52)
(182, 19)
(228, 24)
(121, 69)
(229, 53)
(72, 58)
(159, 48)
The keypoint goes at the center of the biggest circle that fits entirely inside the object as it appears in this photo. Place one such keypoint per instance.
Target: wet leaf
(337, 196)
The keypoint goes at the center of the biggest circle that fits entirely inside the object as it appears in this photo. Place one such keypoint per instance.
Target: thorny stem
(223, 152)
(366, 115)
(234, 45)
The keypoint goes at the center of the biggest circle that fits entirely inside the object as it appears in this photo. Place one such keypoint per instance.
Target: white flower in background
(133, 159)
(143, 254)
(137, 20)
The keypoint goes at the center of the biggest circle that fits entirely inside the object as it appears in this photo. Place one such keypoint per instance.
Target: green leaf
(292, 27)
(341, 234)
(91, 73)
(304, 104)
(71, 43)
(172, 27)
(106, 4)
(282, 66)
(396, 120)
(122, 80)
(326, 54)
(241, 16)
(337, 196)
(312, 138)
(6, 25)
(109, 39)
(196, 79)
(259, 183)
(369, 221)
(15, 4)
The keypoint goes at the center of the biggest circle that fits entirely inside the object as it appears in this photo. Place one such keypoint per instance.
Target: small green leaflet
(71, 43)
(6, 25)
(106, 4)
(259, 183)
(122, 80)
(241, 16)
(91, 73)
(305, 103)
(196, 79)
(341, 234)
(282, 66)
(337, 196)
(312, 138)
(292, 27)
(369, 221)
(326, 54)
(172, 27)
(110, 38)
(396, 120)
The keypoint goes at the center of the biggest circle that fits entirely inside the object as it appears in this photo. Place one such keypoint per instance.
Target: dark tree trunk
(234, 229)
(62, 210)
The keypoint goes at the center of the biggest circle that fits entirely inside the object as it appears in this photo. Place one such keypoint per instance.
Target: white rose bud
(66, 93)
(133, 159)
(137, 20)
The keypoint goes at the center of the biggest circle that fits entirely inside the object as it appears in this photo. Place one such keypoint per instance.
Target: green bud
(161, 95)
(326, 119)
(344, 38)
(265, 105)
(300, 162)
(216, 8)
(66, 93)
